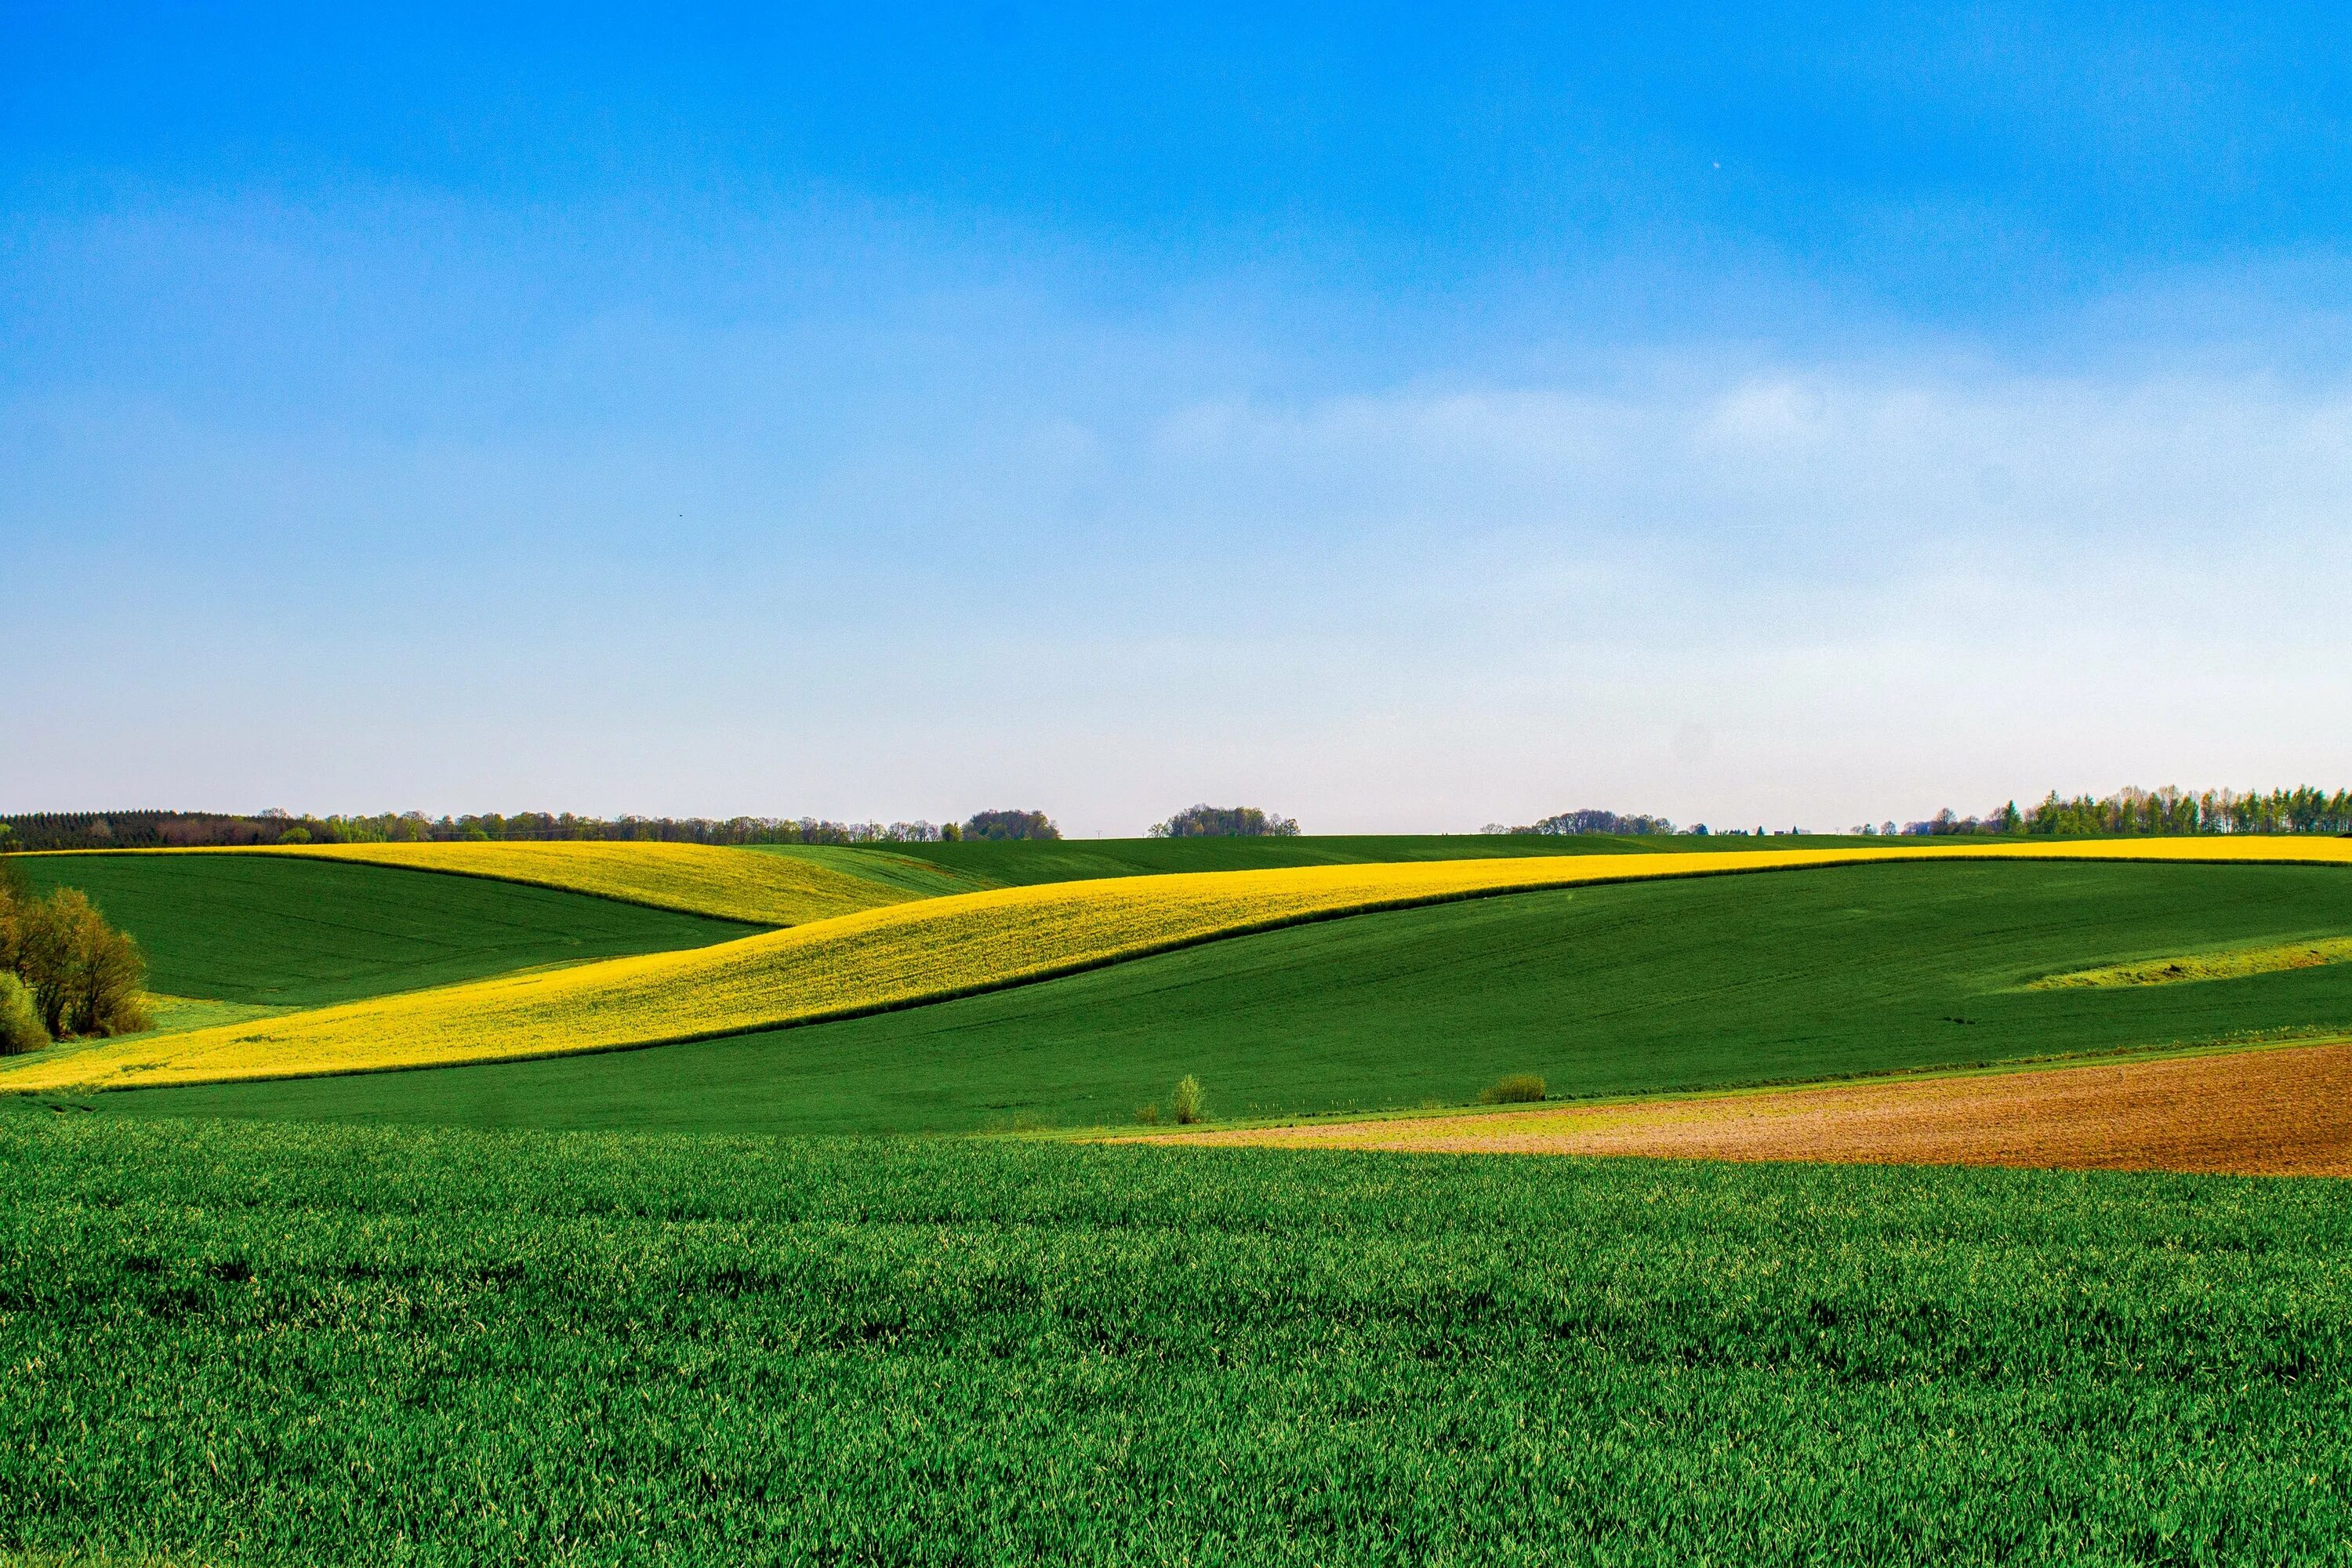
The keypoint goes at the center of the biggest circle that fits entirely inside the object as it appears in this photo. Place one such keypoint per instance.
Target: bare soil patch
(2277, 1111)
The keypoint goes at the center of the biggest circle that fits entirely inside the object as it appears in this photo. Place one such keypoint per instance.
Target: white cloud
(1785, 592)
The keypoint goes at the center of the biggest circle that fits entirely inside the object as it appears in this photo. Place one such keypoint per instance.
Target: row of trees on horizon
(2141, 813)
(186, 829)
(2126, 813)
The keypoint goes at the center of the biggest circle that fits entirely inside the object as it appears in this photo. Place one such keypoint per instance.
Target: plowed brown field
(2278, 1112)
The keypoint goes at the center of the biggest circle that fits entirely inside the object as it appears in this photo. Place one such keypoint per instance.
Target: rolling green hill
(1019, 863)
(277, 931)
(1604, 990)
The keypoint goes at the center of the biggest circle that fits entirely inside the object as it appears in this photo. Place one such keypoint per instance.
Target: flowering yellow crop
(700, 879)
(925, 951)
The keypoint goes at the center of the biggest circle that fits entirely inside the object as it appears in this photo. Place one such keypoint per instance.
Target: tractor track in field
(2277, 1111)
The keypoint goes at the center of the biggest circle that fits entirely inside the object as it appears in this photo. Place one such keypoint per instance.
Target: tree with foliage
(20, 1019)
(15, 892)
(999, 826)
(1226, 822)
(83, 976)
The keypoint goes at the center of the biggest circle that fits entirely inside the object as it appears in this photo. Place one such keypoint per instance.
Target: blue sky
(1405, 420)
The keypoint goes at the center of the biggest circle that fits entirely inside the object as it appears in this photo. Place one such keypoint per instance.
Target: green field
(286, 1345)
(1022, 862)
(881, 864)
(1662, 985)
(260, 929)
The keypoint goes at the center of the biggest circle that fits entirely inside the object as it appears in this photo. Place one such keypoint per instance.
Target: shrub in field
(1188, 1103)
(1147, 1115)
(20, 1021)
(1519, 1089)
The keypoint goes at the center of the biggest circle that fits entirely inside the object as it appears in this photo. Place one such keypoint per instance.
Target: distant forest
(2131, 813)
(162, 829)
(2125, 812)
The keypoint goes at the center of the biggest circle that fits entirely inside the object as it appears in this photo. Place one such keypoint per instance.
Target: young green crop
(294, 1345)
(274, 931)
(784, 888)
(693, 878)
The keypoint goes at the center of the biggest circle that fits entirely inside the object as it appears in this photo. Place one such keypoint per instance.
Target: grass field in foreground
(270, 930)
(1609, 989)
(283, 1345)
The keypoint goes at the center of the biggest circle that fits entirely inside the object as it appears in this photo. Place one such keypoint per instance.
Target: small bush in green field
(20, 1021)
(1189, 1103)
(1147, 1115)
(1518, 1089)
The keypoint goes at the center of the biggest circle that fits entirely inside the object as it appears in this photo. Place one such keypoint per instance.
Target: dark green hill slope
(1633, 987)
(1077, 860)
(259, 928)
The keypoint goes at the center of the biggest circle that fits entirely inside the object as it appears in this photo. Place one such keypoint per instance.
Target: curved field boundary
(2276, 1110)
(690, 879)
(925, 951)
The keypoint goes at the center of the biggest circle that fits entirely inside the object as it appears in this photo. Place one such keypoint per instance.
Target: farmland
(723, 884)
(2281, 1110)
(932, 950)
(302, 1344)
(920, 951)
(1023, 863)
(1614, 989)
(274, 930)
(588, 1308)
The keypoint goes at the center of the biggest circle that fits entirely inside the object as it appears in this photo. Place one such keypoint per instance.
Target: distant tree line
(63, 970)
(133, 829)
(1006, 825)
(171, 829)
(1226, 822)
(2138, 812)
(1579, 822)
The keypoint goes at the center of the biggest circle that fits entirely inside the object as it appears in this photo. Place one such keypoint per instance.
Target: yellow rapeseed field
(699, 879)
(926, 951)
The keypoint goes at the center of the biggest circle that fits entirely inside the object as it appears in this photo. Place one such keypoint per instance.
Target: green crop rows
(1066, 860)
(278, 1344)
(258, 929)
(1602, 990)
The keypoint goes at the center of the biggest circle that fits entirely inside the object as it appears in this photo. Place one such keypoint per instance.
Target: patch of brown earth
(2278, 1112)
